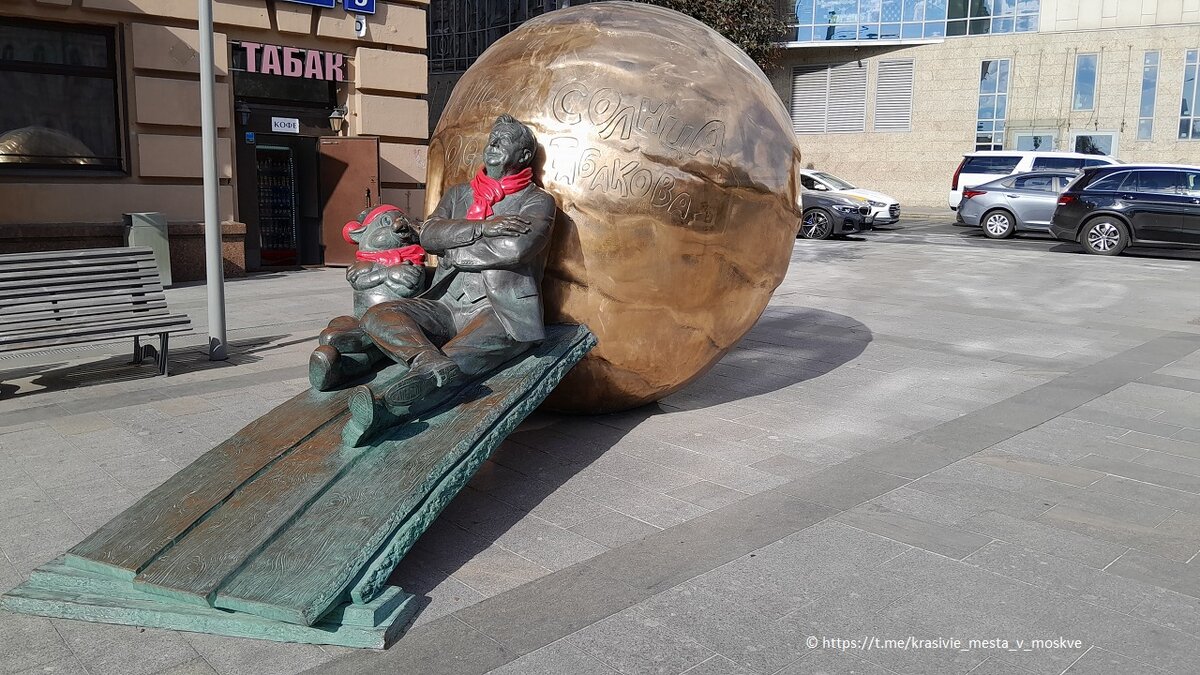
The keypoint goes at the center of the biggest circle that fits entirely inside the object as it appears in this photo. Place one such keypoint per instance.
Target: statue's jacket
(506, 271)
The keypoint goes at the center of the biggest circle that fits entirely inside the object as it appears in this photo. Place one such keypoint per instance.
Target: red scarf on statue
(414, 255)
(488, 191)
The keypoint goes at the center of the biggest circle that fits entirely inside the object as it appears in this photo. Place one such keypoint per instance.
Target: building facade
(320, 112)
(460, 30)
(889, 94)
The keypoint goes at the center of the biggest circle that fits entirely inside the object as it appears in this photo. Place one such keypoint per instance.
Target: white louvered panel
(810, 85)
(894, 96)
(847, 108)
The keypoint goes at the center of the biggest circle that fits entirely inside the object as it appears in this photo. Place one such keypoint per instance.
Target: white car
(985, 166)
(884, 209)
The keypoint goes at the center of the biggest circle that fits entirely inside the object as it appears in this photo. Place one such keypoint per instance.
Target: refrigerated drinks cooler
(277, 216)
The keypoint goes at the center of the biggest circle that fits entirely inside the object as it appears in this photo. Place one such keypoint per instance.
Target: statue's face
(504, 151)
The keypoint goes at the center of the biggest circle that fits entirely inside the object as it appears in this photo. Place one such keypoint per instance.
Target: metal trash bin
(150, 230)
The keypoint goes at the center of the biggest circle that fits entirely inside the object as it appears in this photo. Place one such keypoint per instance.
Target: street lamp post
(215, 272)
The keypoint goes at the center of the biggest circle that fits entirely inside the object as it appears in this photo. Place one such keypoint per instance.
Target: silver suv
(985, 166)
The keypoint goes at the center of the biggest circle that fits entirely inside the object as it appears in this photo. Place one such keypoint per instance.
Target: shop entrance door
(349, 184)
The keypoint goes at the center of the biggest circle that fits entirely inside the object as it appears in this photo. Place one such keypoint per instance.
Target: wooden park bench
(55, 298)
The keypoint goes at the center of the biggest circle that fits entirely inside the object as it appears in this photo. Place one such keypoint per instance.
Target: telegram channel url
(910, 642)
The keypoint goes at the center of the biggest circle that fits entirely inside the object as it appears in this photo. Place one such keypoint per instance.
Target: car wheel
(999, 224)
(816, 224)
(1104, 236)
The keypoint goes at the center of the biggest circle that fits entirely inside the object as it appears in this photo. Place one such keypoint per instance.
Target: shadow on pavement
(788, 345)
(69, 374)
(1149, 252)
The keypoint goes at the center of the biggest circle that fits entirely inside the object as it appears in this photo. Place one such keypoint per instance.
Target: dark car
(1108, 208)
(826, 215)
(1017, 203)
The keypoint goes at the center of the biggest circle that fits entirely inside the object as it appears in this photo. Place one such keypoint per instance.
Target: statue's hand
(362, 275)
(505, 226)
(406, 278)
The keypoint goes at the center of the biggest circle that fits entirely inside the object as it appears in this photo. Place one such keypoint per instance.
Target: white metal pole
(215, 271)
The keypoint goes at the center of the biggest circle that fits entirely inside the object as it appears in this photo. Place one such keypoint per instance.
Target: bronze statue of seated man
(483, 307)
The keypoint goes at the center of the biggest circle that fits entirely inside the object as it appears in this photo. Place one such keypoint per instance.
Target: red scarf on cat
(488, 191)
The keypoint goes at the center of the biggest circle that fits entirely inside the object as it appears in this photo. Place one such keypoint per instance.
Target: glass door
(277, 205)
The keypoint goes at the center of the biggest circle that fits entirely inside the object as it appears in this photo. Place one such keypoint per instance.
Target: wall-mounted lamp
(243, 111)
(337, 119)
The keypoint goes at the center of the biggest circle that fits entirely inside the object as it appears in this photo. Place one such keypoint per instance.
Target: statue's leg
(483, 345)
(407, 329)
(480, 347)
(345, 334)
(344, 353)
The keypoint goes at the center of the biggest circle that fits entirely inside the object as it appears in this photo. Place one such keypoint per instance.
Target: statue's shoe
(324, 372)
(328, 369)
(424, 378)
(368, 417)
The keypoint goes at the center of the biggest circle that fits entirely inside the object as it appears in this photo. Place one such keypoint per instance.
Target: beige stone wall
(1068, 15)
(386, 73)
(917, 166)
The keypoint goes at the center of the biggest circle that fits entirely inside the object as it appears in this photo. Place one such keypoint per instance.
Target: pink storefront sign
(313, 64)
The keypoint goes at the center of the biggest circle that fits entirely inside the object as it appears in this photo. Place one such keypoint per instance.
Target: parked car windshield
(990, 164)
(1043, 163)
(837, 183)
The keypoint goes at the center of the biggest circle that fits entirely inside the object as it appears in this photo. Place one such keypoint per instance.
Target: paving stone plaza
(934, 453)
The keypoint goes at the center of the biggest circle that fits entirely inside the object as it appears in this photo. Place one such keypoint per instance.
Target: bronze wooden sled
(283, 533)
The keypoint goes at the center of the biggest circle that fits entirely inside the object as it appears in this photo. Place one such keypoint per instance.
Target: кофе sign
(313, 64)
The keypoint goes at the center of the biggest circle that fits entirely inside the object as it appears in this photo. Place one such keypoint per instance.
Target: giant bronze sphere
(674, 165)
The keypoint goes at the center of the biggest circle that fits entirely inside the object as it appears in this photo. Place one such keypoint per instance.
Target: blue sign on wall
(327, 4)
(356, 6)
(359, 6)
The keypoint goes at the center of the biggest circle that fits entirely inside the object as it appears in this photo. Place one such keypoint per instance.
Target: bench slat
(149, 321)
(115, 314)
(62, 305)
(28, 287)
(115, 320)
(85, 292)
(178, 325)
(52, 270)
(75, 254)
(81, 308)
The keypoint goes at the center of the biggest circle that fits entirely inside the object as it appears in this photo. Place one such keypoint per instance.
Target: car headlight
(875, 203)
(842, 208)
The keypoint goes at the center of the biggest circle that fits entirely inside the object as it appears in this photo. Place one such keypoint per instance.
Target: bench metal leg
(137, 350)
(164, 354)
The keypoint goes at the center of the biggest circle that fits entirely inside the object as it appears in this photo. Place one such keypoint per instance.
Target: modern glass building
(820, 20)
(890, 93)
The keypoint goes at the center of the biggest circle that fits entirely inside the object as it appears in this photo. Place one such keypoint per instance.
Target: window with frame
(1145, 130)
(1189, 117)
(993, 104)
(1084, 93)
(1095, 143)
(1036, 140)
(61, 108)
(821, 20)
(829, 99)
